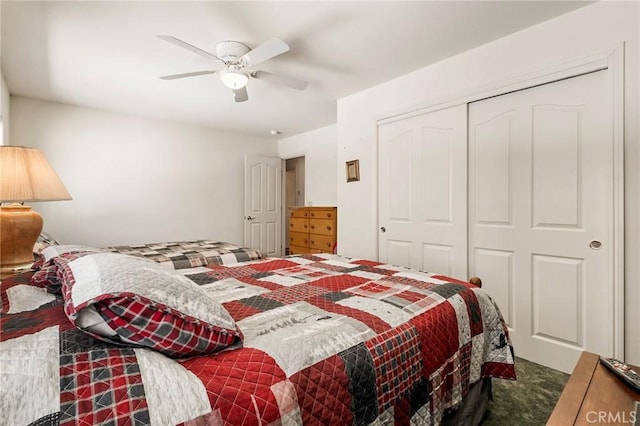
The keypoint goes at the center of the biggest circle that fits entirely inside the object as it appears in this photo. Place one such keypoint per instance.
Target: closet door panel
(437, 168)
(400, 182)
(495, 267)
(544, 158)
(557, 190)
(492, 171)
(422, 192)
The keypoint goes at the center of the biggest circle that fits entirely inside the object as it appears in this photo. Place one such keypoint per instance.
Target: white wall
(4, 101)
(319, 149)
(571, 35)
(136, 180)
(5, 112)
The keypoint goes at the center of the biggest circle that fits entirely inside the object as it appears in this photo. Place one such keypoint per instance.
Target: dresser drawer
(322, 242)
(314, 251)
(298, 224)
(298, 250)
(322, 226)
(323, 214)
(300, 213)
(298, 239)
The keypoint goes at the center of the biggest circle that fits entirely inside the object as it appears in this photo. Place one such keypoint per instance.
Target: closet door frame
(609, 57)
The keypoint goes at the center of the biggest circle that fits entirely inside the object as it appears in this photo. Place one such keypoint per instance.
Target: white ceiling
(106, 54)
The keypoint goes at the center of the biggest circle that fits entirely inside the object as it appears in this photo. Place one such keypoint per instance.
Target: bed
(190, 254)
(309, 339)
(174, 254)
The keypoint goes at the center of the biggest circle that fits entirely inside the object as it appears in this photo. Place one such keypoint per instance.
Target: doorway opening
(294, 191)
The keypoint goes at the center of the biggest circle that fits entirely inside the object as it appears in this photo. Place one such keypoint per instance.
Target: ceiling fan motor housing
(230, 51)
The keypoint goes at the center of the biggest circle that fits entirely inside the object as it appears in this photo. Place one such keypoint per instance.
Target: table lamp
(25, 175)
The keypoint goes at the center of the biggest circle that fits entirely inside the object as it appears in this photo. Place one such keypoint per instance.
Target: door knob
(383, 229)
(595, 245)
(250, 218)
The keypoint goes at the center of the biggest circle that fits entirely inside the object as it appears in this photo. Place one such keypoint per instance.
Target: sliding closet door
(422, 192)
(541, 215)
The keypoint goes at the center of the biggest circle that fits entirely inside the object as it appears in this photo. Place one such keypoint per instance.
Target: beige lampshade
(25, 175)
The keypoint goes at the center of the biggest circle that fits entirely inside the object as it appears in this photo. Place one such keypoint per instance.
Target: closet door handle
(383, 229)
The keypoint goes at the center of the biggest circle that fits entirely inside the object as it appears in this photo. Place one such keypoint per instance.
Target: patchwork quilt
(190, 254)
(327, 340)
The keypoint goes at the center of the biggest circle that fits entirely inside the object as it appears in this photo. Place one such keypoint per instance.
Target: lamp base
(19, 230)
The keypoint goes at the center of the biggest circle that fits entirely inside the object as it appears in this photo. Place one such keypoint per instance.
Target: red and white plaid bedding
(327, 340)
(124, 299)
(190, 254)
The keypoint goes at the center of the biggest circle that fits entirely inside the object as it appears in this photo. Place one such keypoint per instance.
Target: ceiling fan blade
(240, 95)
(267, 50)
(187, 74)
(281, 80)
(190, 47)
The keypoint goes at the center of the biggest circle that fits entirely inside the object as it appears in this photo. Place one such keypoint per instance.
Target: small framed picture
(353, 171)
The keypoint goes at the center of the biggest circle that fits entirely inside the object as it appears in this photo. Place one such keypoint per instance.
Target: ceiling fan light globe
(233, 79)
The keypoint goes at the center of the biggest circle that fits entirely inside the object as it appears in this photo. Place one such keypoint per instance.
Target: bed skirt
(473, 407)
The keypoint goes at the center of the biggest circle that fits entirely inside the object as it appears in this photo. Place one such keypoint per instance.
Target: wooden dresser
(594, 395)
(313, 230)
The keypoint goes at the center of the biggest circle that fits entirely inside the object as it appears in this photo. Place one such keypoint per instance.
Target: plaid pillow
(127, 300)
(47, 273)
(56, 250)
(48, 252)
(44, 240)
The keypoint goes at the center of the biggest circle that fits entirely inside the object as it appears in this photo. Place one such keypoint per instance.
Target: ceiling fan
(237, 59)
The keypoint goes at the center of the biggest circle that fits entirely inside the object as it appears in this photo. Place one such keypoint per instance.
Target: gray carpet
(529, 400)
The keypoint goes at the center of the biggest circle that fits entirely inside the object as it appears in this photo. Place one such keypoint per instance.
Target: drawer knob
(313, 242)
(328, 214)
(313, 226)
(328, 228)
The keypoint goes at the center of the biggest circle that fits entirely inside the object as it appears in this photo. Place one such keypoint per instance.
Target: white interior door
(263, 204)
(541, 215)
(422, 192)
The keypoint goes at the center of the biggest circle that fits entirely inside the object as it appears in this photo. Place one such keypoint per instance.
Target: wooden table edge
(568, 407)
